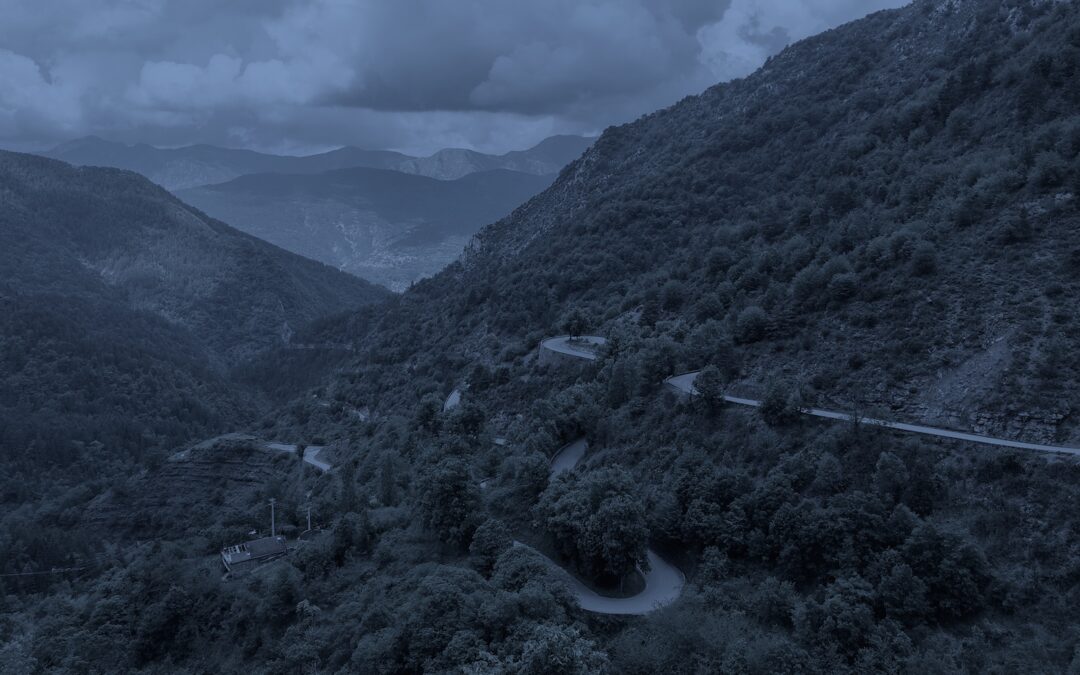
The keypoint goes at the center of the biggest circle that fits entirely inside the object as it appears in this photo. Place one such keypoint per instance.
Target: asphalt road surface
(685, 384)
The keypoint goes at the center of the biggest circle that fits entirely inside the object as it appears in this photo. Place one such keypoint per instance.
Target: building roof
(254, 550)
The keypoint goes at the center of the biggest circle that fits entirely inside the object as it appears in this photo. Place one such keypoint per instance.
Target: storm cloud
(416, 75)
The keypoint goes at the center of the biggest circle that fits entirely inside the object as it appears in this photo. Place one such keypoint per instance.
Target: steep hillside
(113, 236)
(882, 219)
(385, 226)
(124, 310)
(883, 215)
(191, 166)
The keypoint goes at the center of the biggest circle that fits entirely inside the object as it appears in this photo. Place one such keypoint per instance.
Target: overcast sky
(413, 75)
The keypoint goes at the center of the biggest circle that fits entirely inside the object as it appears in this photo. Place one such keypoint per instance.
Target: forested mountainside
(888, 201)
(883, 220)
(112, 235)
(385, 226)
(123, 312)
(883, 215)
(191, 166)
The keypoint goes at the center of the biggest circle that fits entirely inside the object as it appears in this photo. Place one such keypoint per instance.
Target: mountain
(548, 157)
(124, 309)
(385, 226)
(377, 214)
(191, 166)
(893, 228)
(105, 233)
(179, 168)
(883, 219)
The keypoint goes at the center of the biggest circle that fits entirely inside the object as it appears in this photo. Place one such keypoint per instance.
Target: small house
(242, 557)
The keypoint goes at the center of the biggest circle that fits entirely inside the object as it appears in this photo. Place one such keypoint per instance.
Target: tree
(924, 258)
(388, 480)
(620, 383)
(778, 407)
(559, 650)
(902, 594)
(467, 420)
(480, 378)
(891, 475)
(650, 308)
(427, 413)
(449, 501)
(616, 536)
(672, 295)
(844, 618)
(575, 323)
(597, 521)
(750, 325)
(352, 532)
(714, 568)
(489, 542)
(709, 385)
(16, 655)
(1017, 228)
(955, 572)
(347, 495)
(828, 475)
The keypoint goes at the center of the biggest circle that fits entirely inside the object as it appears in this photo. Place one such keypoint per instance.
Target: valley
(778, 378)
(384, 226)
(386, 217)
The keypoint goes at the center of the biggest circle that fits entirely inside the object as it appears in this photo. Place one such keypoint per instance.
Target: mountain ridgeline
(384, 216)
(389, 227)
(191, 166)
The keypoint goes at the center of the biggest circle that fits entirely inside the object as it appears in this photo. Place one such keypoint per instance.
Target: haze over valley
(384, 216)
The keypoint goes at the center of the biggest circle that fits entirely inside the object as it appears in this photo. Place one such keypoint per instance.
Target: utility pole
(273, 529)
(309, 517)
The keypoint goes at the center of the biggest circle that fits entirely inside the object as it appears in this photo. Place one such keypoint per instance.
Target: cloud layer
(410, 74)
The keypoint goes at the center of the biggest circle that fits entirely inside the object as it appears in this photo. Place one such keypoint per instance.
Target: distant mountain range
(386, 226)
(385, 216)
(194, 165)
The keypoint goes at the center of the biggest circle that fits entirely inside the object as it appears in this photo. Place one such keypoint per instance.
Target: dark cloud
(411, 74)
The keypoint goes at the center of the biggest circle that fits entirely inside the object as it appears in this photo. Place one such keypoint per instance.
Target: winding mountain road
(564, 344)
(452, 401)
(663, 582)
(311, 454)
(684, 384)
(568, 457)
